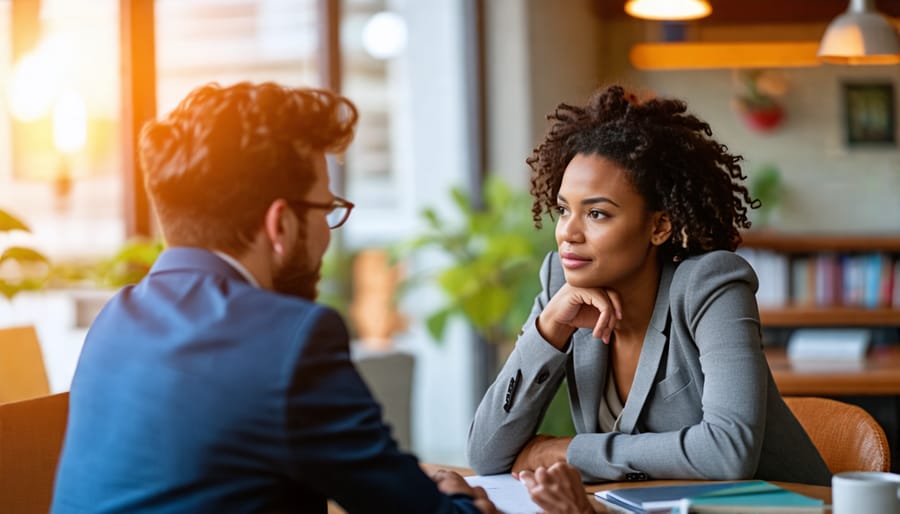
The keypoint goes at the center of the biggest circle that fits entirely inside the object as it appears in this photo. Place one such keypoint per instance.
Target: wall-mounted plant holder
(764, 119)
(757, 102)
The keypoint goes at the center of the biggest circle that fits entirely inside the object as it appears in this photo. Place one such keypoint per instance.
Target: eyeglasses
(338, 210)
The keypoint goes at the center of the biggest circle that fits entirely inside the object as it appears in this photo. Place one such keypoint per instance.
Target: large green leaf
(488, 307)
(558, 418)
(9, 222)
(437, 323)
(22, 255)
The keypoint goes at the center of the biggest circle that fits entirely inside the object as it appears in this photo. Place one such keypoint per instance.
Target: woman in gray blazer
(645, 311)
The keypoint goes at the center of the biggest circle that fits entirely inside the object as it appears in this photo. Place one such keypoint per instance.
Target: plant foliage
(495, 254)
(21, 268)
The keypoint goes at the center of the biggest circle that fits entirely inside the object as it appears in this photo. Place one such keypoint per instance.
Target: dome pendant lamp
(668, 9)
(860, 36)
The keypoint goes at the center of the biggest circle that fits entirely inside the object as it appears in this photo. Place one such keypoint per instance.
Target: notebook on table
(753, 496)
(657, 499)
(757, 497)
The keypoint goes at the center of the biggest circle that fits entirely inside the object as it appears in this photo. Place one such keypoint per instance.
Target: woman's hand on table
(450, 482)
(542, 450)
(557, 489)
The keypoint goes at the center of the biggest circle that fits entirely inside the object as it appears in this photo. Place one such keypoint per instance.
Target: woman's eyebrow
(592, 200)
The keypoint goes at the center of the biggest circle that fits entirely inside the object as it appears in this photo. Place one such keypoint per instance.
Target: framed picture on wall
(869, 114)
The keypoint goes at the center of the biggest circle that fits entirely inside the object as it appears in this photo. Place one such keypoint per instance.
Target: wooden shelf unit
(793, 316)
(811, 244)
(806, 243)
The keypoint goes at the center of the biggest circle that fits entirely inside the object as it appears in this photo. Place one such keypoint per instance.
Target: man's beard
(296, 278)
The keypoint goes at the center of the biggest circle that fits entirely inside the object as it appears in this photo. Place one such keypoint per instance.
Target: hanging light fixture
(668, 9)
(860, 36)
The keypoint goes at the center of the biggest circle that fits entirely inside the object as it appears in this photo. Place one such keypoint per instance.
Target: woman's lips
(573, 261)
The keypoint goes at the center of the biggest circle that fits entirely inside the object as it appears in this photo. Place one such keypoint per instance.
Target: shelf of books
(822, 280)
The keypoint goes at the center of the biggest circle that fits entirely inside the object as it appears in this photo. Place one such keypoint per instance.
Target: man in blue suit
(216, 384)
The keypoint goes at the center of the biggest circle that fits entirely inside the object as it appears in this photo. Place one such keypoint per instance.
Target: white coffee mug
(865, 492)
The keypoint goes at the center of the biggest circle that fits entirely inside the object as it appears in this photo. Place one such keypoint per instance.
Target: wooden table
(877, 375)
(815, 491)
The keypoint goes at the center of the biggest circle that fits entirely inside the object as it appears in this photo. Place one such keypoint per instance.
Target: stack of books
(718, 497)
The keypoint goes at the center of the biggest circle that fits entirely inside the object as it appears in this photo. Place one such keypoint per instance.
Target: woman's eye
(596, 215)
(562, 211)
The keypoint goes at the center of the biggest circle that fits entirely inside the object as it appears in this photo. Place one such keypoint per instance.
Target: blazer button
(635, 477)
(543, 376)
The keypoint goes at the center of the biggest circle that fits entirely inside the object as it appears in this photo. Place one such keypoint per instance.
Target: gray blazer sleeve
(715, 338)
(514, 405)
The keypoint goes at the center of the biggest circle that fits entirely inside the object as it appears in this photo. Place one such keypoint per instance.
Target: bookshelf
(802, 243)
(782, 308)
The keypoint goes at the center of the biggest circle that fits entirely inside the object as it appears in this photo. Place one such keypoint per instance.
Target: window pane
(59, 126)
(372, 38)
(198, 41)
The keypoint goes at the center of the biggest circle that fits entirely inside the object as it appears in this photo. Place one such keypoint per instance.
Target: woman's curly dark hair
(669, 156)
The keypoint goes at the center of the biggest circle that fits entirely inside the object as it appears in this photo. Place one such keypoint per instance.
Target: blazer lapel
(590, 358)
(655, 342)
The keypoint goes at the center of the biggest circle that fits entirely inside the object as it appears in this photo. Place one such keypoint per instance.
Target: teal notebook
(752, 497)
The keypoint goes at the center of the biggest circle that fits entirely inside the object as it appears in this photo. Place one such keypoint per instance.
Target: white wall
(539, 53)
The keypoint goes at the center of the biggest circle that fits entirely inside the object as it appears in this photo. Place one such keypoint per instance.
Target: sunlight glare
(69, 122)
(33, 87)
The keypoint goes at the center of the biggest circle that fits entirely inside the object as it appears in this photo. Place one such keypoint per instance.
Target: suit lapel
(655, 342)
(590, 357)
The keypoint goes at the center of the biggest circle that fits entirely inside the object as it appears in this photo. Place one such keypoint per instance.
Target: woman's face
(605, 234)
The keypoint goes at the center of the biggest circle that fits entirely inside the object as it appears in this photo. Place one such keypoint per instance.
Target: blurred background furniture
(22, 373)
(848, 438)
(31, 438)
(389, 374)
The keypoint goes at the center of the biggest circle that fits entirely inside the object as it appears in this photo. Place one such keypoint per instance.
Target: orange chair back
(31, 439)
(848, 438)
(22, 372)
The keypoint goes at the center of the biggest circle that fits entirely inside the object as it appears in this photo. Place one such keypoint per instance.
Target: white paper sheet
(507, 493)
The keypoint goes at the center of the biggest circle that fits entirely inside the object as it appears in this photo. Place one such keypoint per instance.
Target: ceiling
(764, 11)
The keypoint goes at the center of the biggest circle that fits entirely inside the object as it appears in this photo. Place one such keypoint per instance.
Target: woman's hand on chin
(572, 308)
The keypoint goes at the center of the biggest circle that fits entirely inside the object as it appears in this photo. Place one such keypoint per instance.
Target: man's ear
(662, 228)
(275, 226)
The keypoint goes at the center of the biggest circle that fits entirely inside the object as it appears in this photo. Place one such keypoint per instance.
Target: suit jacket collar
(655, 341)
(195, 260)
(588, 352)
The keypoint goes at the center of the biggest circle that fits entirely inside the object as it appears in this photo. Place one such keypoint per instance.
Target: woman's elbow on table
(487, 462)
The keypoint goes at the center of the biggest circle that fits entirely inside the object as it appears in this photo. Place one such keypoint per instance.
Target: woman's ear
(662, 228)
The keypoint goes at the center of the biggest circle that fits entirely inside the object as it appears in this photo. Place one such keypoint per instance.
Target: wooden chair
(848, 438)
(22, 372)
(31, 438)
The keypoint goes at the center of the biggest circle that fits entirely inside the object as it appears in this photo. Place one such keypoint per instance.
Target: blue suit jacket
(197, 392)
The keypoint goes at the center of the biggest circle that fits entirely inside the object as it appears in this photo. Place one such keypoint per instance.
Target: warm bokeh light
(384, 35)
(69, 122)
(34, 85)
(668, 9)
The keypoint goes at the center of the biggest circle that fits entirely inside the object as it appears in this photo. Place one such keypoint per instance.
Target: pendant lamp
(860, 36)
(668, 9)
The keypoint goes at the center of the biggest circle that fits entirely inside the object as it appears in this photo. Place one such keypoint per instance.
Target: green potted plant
(492, 277)
(21, 268)
(766, 185)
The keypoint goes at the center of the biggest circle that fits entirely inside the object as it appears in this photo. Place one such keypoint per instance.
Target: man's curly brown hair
(216, 163)
(669, 157)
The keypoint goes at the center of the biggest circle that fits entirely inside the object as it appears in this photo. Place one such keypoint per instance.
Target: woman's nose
(569, 228)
